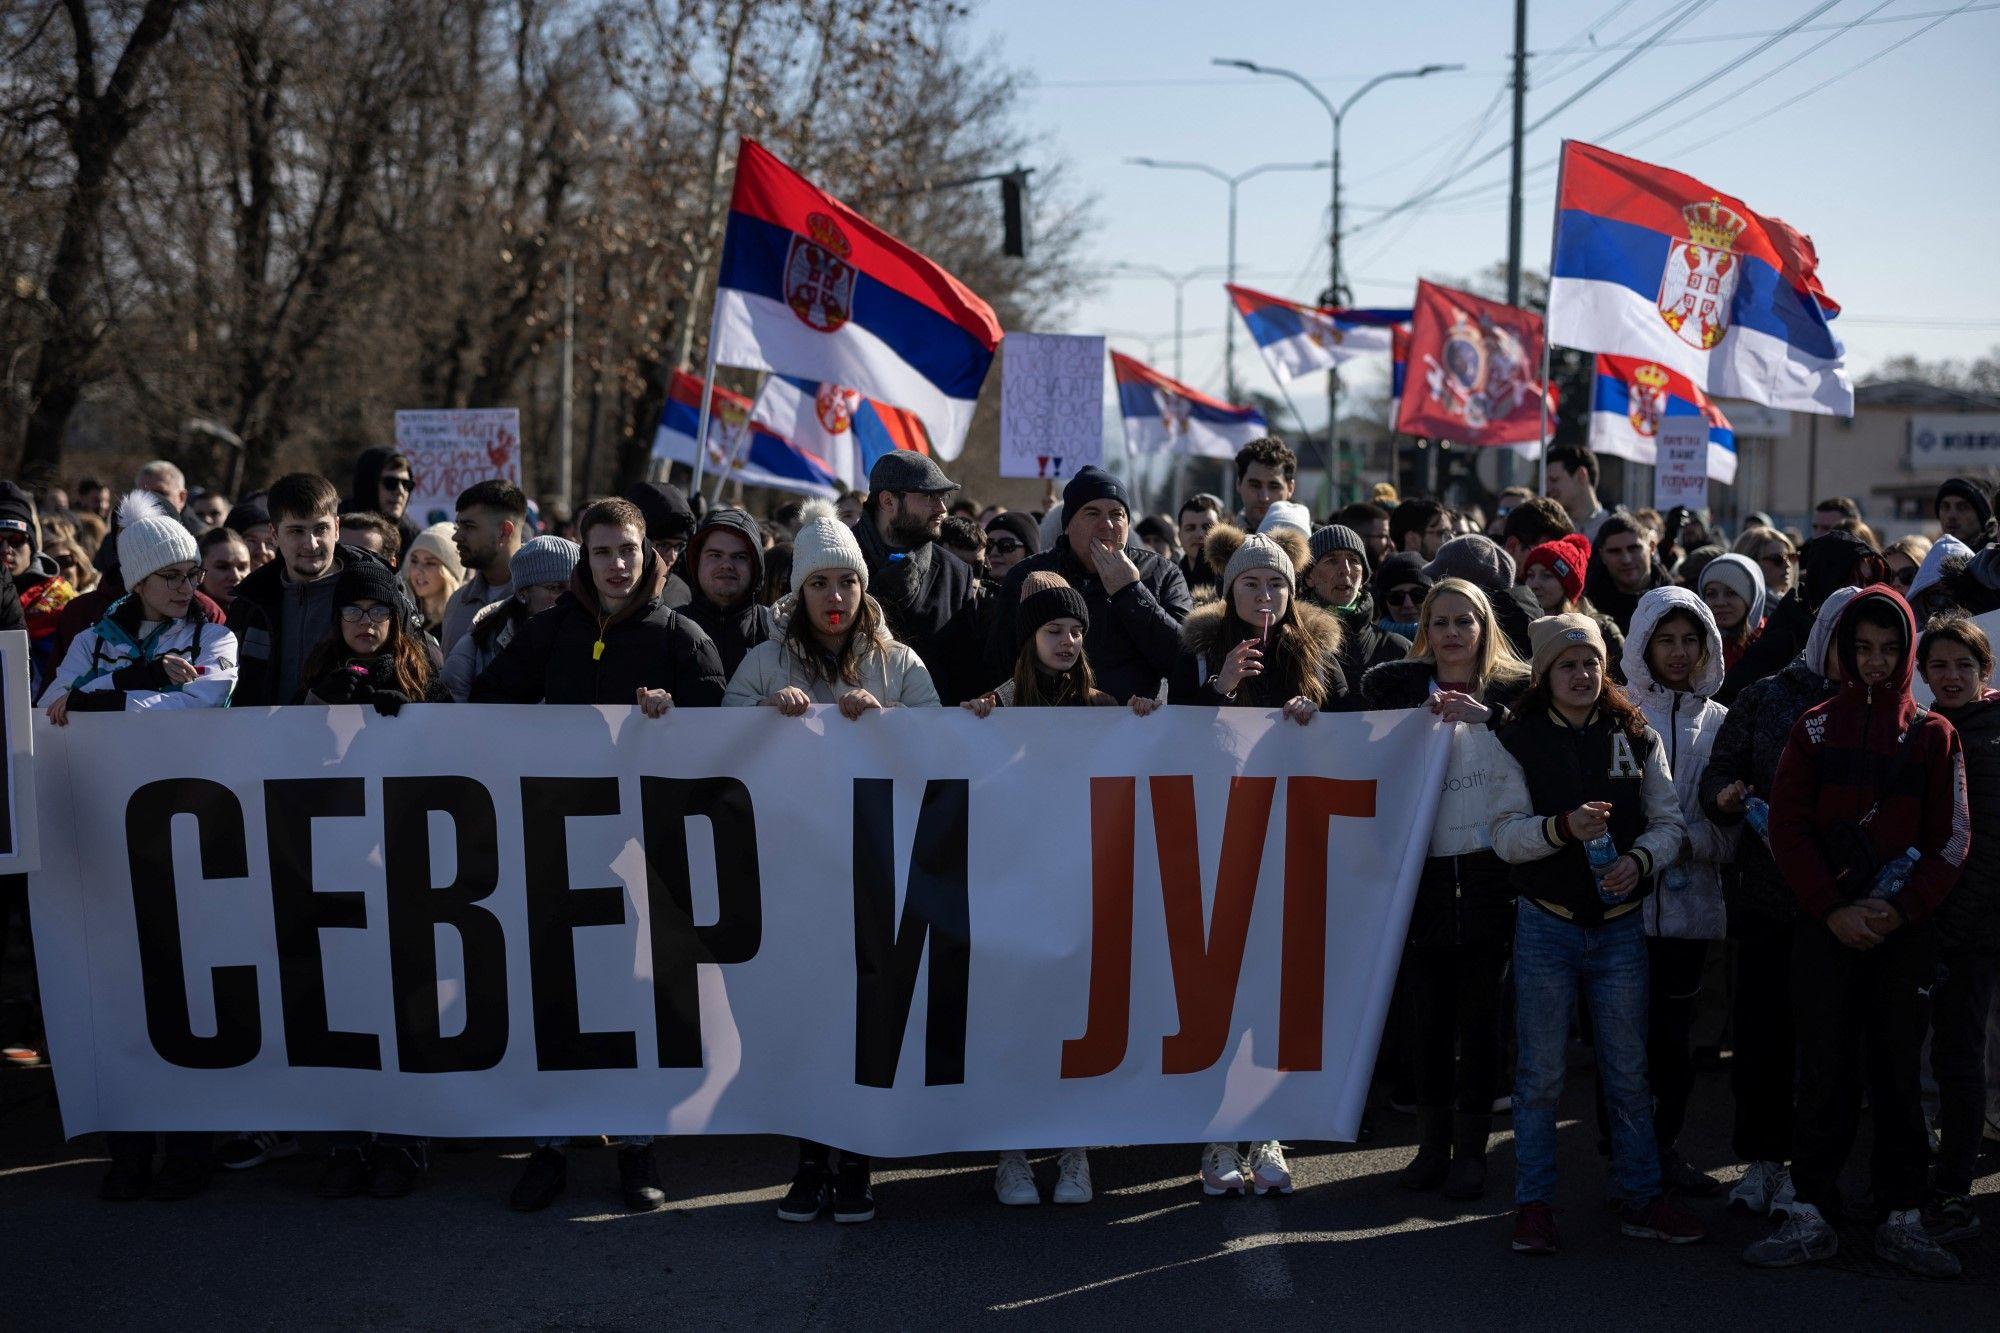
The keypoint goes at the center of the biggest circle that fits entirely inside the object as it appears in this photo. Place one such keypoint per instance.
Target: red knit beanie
(1566, 557)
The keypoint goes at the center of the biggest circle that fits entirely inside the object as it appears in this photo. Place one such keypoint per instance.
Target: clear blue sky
(1892, 169)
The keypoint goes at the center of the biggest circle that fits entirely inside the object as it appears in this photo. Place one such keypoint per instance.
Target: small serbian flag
(1300, 339)
(1164, 416)
(842, 427)
(765, 458)
(1653, 264)
(811, 288)
(1474, 368)
(1630, 400)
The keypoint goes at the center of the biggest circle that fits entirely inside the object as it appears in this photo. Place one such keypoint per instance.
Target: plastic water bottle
(1676, 879)
(1891, 878)
(1757, 814)
(1603, 854)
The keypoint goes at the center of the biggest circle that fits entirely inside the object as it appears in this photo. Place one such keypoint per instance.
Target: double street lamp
(1335, 293)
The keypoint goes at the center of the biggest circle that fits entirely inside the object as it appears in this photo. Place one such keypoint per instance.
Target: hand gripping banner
(920, 932)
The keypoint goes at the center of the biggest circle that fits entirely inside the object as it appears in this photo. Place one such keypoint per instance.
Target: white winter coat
(890, 671)
(1687, 722)
(118, 641)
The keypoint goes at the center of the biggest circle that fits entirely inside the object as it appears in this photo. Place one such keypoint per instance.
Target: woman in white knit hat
(431, 572)
(833, 647)
(155, 649)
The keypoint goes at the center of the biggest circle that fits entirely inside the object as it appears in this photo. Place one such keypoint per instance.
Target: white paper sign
(1680, 464)
(19, 833)
(1051, 404)
(921, 932)
(454, 448)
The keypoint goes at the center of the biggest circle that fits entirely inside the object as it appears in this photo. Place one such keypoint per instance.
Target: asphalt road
(260, 1250)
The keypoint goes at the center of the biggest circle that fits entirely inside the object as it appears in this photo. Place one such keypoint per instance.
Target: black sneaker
(345, 1176)
(639, 1178)
(1949, 1220)
(393, 1168)
(852, 1201)
(127, 1179)
(807, 1197)
(179, 1178)
(1677, 1176)
(542, 1181)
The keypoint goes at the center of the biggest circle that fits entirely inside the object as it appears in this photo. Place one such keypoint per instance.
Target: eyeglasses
(173, 579)
(1003, 546)
(400, 483)
(1905, 576)
(1398, 596)
(377, 614)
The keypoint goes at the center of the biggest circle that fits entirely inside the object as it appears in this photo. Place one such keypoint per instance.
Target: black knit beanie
(1967, 492)
(1093, 483)
(366, 580)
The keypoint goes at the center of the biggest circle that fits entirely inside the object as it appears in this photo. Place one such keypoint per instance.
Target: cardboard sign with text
(1680, 464)
(1051, 404)
(454, 448)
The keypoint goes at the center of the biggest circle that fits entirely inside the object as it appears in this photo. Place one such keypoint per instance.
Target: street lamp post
(1335, 295)
(1229, 325)
(1180, 282)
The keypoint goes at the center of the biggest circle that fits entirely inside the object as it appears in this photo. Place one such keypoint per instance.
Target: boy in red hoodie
(1866, 777)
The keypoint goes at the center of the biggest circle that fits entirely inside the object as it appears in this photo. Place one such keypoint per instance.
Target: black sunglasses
(1004, 546)
(1905, 576)
(1414, 596)
(400, 483)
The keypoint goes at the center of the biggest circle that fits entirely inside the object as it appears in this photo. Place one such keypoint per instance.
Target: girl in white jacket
(1673, 664)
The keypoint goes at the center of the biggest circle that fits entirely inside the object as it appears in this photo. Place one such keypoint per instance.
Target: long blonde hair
(1495, 660)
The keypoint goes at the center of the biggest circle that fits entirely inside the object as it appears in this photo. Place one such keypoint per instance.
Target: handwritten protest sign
(1051, 404)
(454, 448)
(1680, 464)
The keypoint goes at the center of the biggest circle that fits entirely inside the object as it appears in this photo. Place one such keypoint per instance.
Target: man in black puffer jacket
(1827, 564)
(1137, 599)
(612, 635)
(725, 564)
(1763, 910)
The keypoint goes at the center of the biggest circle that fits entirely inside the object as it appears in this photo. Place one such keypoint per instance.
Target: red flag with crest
(1475, 368)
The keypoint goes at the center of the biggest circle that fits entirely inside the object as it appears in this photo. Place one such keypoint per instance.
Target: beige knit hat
(1551, 636)
(824, 542)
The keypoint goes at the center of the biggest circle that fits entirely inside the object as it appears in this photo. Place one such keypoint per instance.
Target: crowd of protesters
(1693, 802)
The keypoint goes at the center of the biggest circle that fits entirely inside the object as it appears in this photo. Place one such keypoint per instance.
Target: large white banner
(920, 932)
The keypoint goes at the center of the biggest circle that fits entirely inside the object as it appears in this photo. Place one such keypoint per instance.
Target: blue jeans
(1554, 960)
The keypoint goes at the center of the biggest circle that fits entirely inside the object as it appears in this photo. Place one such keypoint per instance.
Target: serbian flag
(1163, 415)
(764, 458)
(1399, 361)
(1630, 400)
(1653, 264)
(842, 427)
(1300, 339)
(1474, 370)
(811, 288)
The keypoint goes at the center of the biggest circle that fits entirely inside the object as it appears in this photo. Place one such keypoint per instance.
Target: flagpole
(707, 397)
(1555, 229)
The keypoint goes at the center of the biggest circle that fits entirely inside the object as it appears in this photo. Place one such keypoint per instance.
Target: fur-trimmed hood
(1307, 651)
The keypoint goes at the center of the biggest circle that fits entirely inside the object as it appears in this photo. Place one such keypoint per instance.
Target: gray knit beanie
(543, 560)
(1337, 537)
(1258, 552)
(1477, 560)
(824, 542)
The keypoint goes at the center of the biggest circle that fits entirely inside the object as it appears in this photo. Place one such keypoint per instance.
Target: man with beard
(930, 596)
(725, 559)
(492, 523)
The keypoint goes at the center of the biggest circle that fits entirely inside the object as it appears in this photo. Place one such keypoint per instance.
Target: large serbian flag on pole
(1630, 400)
(1474, 368)
(1653, 264)
(1164, 416)
(811, 288)
(842, 427)
(1300, 339)
(764, 459)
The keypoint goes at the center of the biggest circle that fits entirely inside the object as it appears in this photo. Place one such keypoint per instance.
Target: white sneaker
(1073, 1176)
(1758, 1188)
(1784, 1197)
(1268, 1171)
(1014, 1181)
(1804, 1237)
(1221, 1169)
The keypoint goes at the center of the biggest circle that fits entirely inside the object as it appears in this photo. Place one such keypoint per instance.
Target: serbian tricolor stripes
(1163, 415)
(1300, 339)
(1653, 264)
(841, 426)
(1632, 397)
(811, 288)
(763, 459)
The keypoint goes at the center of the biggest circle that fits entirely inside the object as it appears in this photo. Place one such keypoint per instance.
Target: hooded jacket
(1842, 759)
(1825, 566)
(646, 644)
(931, 599)
(114, 666)
(1753, 619)
(889, 670)
(1134, 637)
(1969, 917)
(1747, 749)
(1306, 648)
(278, 623)
(365, 494)
(734, 630)
(1687, 722)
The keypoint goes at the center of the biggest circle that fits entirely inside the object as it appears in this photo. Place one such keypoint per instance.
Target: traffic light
(1014, 213)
